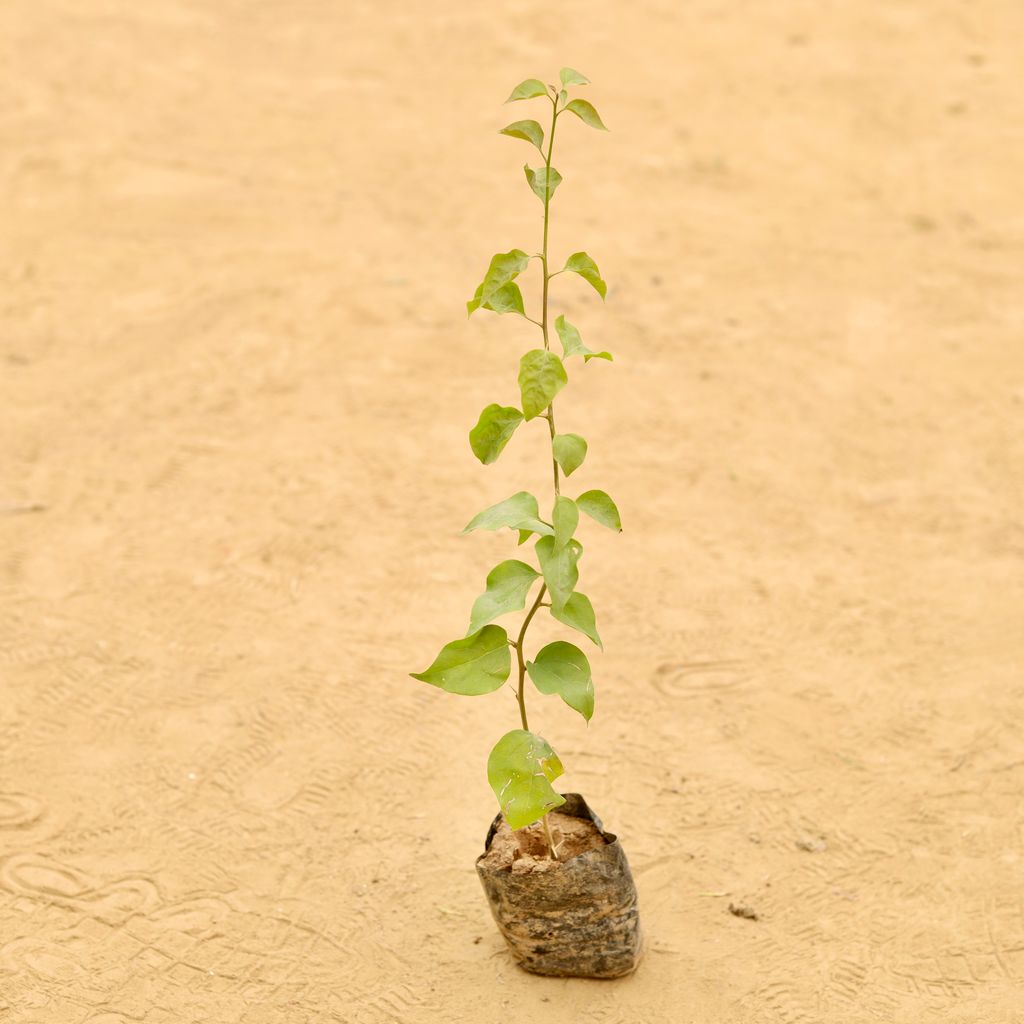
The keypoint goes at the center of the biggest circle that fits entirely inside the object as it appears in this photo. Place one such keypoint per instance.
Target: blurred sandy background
(236, 383)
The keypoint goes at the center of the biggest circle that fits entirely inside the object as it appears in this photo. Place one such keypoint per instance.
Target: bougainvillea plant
(522, 765)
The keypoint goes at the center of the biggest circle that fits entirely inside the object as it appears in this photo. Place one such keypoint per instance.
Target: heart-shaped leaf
(520, 512)
(563, 668)
(559, 567)
(521, 768)
(543, 181)
(531, 131)
(586, 113)
(580, 263)
(569, 450)
(496, 292)
(564, 518)
(541, 377)
(601, 508)
(506, 299)
(572, 343)
(578, 613)
(493, 430)
(478, 664)
(571, 77)
(527, 89)
(507, 586)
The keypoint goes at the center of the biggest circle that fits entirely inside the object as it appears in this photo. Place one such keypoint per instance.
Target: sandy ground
(236, 384)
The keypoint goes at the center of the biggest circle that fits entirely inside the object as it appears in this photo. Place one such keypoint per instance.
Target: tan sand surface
(235, 385)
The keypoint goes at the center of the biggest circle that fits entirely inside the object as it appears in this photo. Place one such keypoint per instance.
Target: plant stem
(550, 416)
(521, 692)
(551, 838)
(554, 464)
(547, 218)
(547, 278)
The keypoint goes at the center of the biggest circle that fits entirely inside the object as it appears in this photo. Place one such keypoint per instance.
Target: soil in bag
(572, 917)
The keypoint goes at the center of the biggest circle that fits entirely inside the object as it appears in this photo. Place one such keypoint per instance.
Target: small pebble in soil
(742, 910)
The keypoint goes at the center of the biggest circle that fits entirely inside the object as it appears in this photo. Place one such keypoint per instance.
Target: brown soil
(236, 380)
(526, 850)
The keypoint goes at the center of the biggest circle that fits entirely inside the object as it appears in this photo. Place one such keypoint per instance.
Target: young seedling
(522, 765)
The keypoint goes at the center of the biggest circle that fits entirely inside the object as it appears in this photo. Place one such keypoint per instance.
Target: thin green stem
(554, 464)
(547, 278)
(549, 415)
(521, 691)
(547, 217)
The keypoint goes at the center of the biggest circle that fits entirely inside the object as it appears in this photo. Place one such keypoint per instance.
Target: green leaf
(524, 536)
(578, 613)
(531, 131)
(496, 291)
(580, 263)
(478, 664)
(543, 181)
(599, 506)
(507, 586)
(541, 377)
(559, 567)
(496, 425)
(570, 450)
(527, 89)
(521, 768)
(586, 113)
(572, 343)
(563, 668)
(565, 518)
(507, 299)
(520, 512)
(571, 77)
